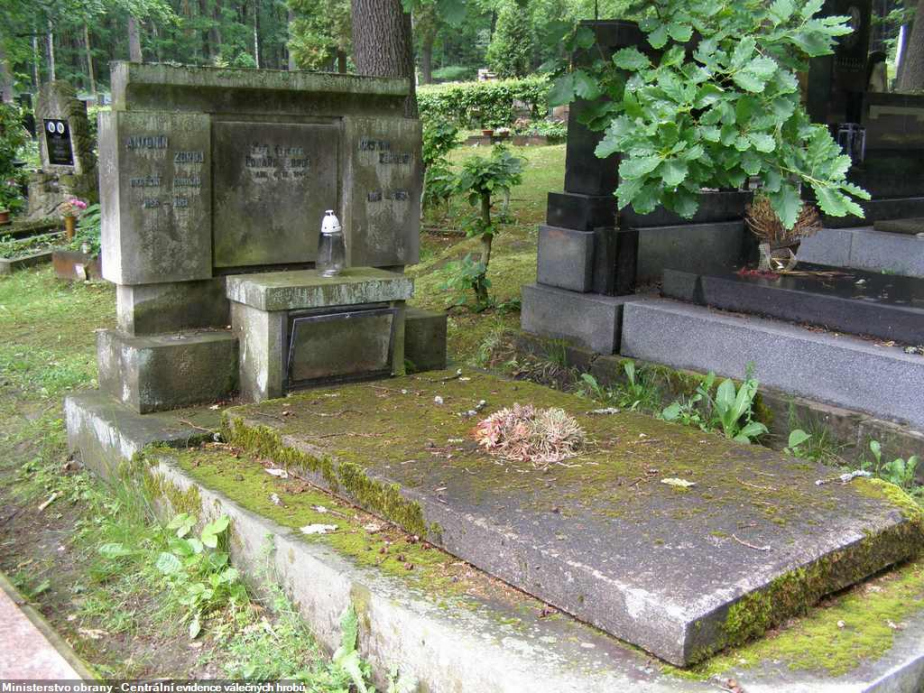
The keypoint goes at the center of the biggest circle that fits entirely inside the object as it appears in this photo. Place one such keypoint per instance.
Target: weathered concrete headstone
(69, 167)
(209, 173)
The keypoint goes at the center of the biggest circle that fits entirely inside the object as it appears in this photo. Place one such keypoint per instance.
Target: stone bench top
(275, 291)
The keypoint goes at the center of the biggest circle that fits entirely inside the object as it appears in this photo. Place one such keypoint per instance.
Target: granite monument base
(854, 302)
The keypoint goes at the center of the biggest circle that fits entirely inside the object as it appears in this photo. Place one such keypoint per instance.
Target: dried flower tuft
(525, 434)
(766, 225)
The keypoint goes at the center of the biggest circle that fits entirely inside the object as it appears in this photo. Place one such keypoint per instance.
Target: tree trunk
(289, 22)
(382, 45)
(206, 44)
(341, 61)
(36, 62)
(215, 31)
(426, 59)
(50, 40)
(912, 68)
(89, 53)
(256, 32)
(6, 78)
(134, 40)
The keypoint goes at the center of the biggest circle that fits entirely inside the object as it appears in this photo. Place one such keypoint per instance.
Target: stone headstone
(69, 166)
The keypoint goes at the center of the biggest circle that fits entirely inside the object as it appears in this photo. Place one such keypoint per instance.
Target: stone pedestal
(298, 329)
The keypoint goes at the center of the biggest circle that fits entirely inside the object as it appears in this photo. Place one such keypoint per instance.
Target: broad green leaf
(772, 180)
(744, 49)
(751, 163)
(562, 91)
(673, 172)
(830, 201)
(195, 627)
(585, 86)
(168, 564)
(781, 10)
(749, 81)
(742, 143)
(658, 37)
(782, 108)
(811, 8)
(636, 167)
(685, 203)
(647, 199)
(855, 190)
(761, 67)
(681, 33)
(797, 437)
(631, 59)
(114, 550)
(787, 204)
(673, 56)
(627, 191)
(762, 141)
(710, 133)
(213, 530)
(583, 38)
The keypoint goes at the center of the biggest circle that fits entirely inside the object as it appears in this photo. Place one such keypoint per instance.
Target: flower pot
(4, 217)
(69, 227)
(487, 133)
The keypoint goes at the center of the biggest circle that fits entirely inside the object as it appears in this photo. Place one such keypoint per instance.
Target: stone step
(865, 248)
(841, 370)
(600, 537)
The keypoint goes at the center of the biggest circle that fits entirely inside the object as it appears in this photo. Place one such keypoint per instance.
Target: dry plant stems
(766, 225)
(541, 437)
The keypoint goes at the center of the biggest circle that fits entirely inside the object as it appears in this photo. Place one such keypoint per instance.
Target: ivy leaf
(638, 166)
(658, 38)
(585, 86)
(562, 90)
(631, 59)
(762, 141)
(673, 172)
(787, 204)
(681, 33)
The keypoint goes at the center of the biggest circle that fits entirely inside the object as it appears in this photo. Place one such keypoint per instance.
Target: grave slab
(855, 302)
(680, 573)
(425, 339)
(866, 248)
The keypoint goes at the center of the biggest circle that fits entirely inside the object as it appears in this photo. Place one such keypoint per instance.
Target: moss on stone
(381, 498)
(156, 486)
(849, 629)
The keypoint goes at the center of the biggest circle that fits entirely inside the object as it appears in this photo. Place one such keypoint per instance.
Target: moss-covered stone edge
(340, 477)
(794, 592)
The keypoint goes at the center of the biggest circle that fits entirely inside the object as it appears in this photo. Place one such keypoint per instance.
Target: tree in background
(511, 51)
(321, 34)
(382, 44)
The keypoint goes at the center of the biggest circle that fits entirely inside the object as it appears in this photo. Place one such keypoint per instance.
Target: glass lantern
(331, 249)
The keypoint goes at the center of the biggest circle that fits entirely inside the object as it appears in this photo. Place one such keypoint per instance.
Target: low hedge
(483, 104)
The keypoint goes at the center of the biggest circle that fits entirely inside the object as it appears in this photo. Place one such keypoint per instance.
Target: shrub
(482, 104)
(511, 50)
(12, 138)
(454, 73)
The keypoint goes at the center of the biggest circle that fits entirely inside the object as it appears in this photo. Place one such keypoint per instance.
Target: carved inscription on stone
(273, 182)
(161, 165)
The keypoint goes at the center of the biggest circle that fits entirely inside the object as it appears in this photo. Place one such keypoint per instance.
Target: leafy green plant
(439, 138)
(689, 410)
(797, 442)
(480, 179)
(734, 410)
(12, 139)
(89, 231)
(635, 392)
(195, 570)
(715, 114)
(468, 275)
(899, 471)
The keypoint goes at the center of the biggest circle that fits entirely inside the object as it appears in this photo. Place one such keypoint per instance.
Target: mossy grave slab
(681, 573)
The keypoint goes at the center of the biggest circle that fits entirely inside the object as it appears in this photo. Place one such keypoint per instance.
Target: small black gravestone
(58, 141)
